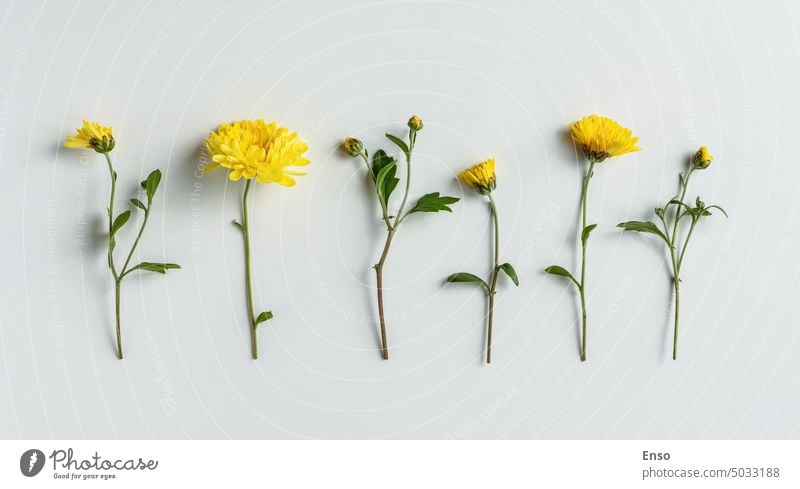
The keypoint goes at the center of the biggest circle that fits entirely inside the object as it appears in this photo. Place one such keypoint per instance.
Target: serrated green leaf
(434, 202)
(562, 272)
(512, 274)
(151, 184)
(120, 221)
(263, 317)
(586, 232)
(138, 203)
(643, 227)
(464, 277)
(380, 160)
(399, 142)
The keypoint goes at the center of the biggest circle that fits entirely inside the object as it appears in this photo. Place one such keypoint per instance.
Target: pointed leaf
(643, 227)
(560, 271)
(586, 232)
(154, 267)
(138, 203)
(380, 160)
(717, 207)
(237, 224)
(263, 317)
(399, 142)
(434, 202)
(464, 277)
(385, 182)
(151, 184)
(120, 221)
(512, 274)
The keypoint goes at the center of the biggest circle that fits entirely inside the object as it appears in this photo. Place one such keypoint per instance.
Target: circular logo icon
(31, 462)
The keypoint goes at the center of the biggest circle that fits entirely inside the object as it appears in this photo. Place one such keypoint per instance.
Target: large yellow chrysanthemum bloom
(602, 137)
(255, 149)
(92, 136)
(481, 177)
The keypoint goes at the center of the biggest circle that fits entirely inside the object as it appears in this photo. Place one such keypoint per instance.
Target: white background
(500, 79)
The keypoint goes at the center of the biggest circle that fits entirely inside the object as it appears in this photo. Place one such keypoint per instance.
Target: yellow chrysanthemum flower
(255, 149)
(702, 158)
(602, 137)
(92, 136)
(481, 177)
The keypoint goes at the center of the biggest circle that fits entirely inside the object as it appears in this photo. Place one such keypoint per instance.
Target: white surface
(489, 79)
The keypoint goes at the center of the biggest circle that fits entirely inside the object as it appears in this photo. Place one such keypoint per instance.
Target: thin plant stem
(391, 228)
(677, 258)
(248, 280)
(111, 243)
(379, 282)
(495, 273)
(582, 285)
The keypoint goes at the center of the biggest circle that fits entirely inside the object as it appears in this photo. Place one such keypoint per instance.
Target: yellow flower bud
(702, 158)
(415, 123)
(353, 146)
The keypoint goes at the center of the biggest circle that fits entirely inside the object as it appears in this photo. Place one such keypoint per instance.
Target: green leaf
(512, 274)
(380, 160)
(643, 227)
(264, 317)
(464, 277)
(237, 224)
(400, 143)
(119, 222)
(433, 203)
(385, 182)
(716, 207)
(151, 184)
(138, 203)
(560, 271)
(586, 232)
(154, 267)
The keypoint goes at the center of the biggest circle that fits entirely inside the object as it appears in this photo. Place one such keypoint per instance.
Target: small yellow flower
(415, 123)
(481, 177)
(702, 158)
(353, 146)
(602, 137)
(255, 149)
(92, 136)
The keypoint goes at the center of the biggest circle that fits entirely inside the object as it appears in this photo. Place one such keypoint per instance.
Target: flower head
(92, 136)
(602, 137)
(702, 158)
(255, 149)
(353, 146)
(415, 123)
(481, 177)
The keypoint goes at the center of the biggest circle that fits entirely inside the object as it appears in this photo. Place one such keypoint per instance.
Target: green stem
(111, 244)
(677, 258)
(379, 282)
(495, 273)
(117, 287)
(248, 280)
(399, 217)
(582, 286)
(391, 228)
